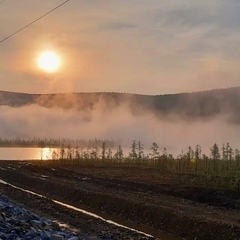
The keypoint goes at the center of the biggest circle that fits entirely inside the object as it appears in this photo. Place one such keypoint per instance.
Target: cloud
(118, 26)
(123, 45)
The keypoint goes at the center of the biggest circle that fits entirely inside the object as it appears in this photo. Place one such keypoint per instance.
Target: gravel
(18, 223)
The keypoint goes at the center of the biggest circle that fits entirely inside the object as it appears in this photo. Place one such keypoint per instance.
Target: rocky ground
(19, 223)
(140, 199)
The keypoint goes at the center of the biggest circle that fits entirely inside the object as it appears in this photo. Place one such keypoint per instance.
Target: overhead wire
(34, 21)
(2, 1)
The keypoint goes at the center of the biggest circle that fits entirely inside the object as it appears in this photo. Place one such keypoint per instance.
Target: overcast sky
(135, 46)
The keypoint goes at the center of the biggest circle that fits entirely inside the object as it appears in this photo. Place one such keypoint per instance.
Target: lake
(25, 153)
(37, 153)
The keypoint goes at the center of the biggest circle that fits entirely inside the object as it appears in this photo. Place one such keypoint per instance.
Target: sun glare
(49, 61)
(46, 153)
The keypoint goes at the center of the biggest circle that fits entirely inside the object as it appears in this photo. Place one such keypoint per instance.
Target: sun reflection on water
(46, 153)
(28, 153)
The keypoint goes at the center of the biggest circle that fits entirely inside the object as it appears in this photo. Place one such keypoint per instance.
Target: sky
(134, 46)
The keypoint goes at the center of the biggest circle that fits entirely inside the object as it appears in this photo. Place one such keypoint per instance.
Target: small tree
(237, 160)
(224, 152)
(62, 152)
(198, 152)
(140, 150)
(197, 156)
(109, 154)
(190, 153)
(77, 154)
(190, 156)
(94, 153)
(215, 155)
(103, 151)
(133, 153)
(237, 155)
(155, 153)
(119, 155)
(54, 155)
(86, 155)
(164, 159)
(229, 152)
(69, 152)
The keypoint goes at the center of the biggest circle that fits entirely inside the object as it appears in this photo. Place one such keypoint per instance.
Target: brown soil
(142, 199)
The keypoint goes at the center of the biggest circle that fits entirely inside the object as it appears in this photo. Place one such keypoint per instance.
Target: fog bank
(118, 123)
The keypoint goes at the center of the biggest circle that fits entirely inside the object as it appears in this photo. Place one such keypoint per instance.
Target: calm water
(35, 153)
(25, 153)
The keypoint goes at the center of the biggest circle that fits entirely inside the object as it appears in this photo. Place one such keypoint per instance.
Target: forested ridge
(204, 104)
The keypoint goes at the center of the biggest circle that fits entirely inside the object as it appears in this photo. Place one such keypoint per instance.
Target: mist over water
(117, 123)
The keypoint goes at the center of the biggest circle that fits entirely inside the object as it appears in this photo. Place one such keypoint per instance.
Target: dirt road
(140, 199)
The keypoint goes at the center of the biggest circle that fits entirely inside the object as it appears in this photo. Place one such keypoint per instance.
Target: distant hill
(197, 105)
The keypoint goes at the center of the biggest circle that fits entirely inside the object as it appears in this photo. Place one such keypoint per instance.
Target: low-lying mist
(118, 123)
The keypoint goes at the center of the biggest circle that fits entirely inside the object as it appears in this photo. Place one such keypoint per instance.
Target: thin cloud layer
(139, 46)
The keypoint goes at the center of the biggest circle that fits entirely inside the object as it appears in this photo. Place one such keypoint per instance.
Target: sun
(49, 61)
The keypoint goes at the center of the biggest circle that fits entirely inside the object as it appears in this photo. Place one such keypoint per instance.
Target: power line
(2, 1)
(31, 23)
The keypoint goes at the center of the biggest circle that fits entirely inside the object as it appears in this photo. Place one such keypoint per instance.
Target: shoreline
(132, 195)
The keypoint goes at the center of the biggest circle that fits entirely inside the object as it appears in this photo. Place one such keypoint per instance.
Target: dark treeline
(219, 169)
(53, 142)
